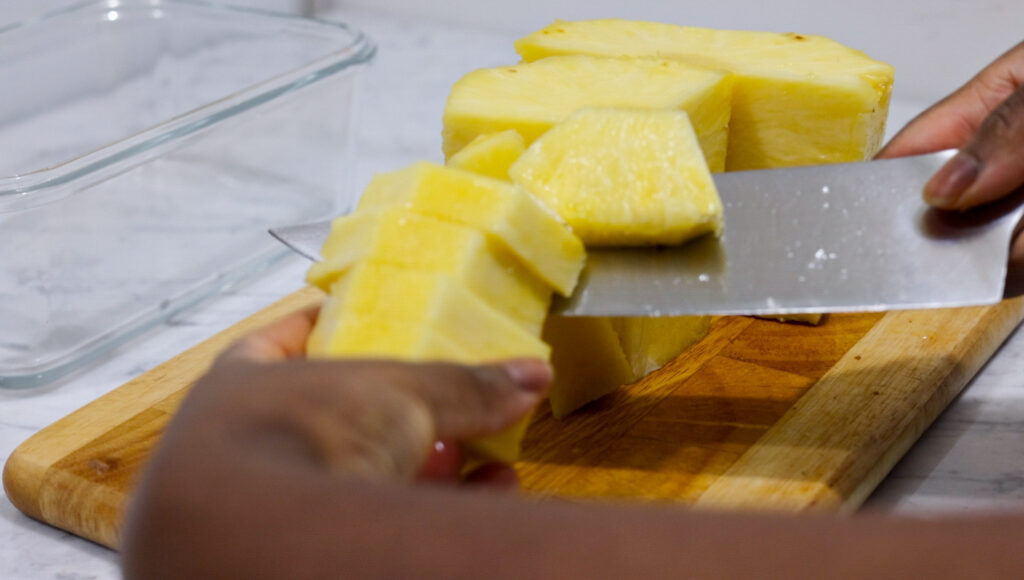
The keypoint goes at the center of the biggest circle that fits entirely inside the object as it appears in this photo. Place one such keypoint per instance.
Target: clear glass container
(145, 148)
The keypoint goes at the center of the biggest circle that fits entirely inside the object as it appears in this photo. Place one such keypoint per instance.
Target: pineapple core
(490, 154)
(531, 98)
(624, 177)
(798, 99)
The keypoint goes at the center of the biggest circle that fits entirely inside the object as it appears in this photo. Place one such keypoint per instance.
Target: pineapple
(376, 310)
(624, 177)
(810, 319)
(588, 360)
(392, 311)
(440, 264)
(798, 99)
(398, 237)
(650, 342)
(531, 98)
(491, 154)
(538, 237)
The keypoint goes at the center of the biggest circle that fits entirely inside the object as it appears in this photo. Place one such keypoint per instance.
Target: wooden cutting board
(758, 415)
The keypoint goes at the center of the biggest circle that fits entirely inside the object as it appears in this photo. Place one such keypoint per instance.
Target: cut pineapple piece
(624, 177)
(587, 359)
(525, 226)
(490, 154)
(398, 237)
(810, 319)
(649, 343)
(532, 98)
(376, 310)
(389, 311)
(798, 99)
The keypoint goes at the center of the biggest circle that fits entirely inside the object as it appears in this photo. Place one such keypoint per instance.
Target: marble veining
(972, 458)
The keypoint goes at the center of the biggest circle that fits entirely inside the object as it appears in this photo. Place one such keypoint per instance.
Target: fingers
(282, 340)
(494, 476)
(444, 463)
(471, 401)
(989, 166)
(376, 419)
(951, 122)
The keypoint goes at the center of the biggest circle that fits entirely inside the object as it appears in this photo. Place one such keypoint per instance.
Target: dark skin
(277, 467)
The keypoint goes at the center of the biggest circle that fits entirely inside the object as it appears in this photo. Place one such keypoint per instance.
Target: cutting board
(758, 415)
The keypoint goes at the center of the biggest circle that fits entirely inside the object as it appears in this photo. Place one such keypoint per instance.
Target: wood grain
(757, 415)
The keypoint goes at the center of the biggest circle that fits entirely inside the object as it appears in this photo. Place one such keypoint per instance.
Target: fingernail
(952, 180)
(533, 375)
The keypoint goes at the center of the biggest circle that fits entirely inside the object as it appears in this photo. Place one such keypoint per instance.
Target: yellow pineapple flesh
(650, 342)
(398, 237)
(376, 310)
(587, 359)
(624, 177)
(390, 311)
(533, 97)
(491, 154)
(527, 228)
(798, 99)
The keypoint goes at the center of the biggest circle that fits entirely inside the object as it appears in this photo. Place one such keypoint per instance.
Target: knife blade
(848, 237)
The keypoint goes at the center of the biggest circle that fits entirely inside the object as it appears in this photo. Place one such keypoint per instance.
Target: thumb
(473, 401)
(989, 166)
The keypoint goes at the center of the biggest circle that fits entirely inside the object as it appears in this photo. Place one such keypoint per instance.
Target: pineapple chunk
(524, 225)
(531, 98)
(398, 237)
(798, 99)
(809, 319)
(649, 343)
(490, 154)
(390, 311)
(624, 177)
(376, 310)
(587, 359)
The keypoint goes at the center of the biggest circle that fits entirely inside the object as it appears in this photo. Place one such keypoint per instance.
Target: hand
(381, 388)
(265, 431)
(984, 119)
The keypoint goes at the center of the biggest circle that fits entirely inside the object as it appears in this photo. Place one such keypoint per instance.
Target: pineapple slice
(376, 310)
(490, 154)
(386, 311)
(624, 177)
(649, 343)
(524, 225)
(531, 98)
(587, 359)
(798, 99)
(398, 237)
(809, 319)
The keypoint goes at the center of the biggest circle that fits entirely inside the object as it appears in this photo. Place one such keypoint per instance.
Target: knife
(849, 237)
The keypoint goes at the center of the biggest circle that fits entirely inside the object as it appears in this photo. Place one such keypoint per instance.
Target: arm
(280, 468)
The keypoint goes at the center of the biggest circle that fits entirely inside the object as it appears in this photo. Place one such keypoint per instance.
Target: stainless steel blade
(830, 238)
(305, 239)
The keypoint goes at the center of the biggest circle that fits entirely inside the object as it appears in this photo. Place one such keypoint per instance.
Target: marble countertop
(972, 458)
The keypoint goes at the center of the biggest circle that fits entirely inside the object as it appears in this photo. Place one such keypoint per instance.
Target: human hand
(984, 119)
(373, 419)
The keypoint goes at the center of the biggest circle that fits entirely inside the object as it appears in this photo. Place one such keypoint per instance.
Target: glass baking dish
(145, 148)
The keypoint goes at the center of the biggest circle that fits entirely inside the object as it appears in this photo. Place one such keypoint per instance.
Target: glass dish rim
(45, 185)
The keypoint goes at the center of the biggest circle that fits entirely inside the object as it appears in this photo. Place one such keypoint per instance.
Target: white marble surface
(972, 458)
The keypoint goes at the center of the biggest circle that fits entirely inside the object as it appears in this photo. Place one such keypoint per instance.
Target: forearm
(301, 524)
